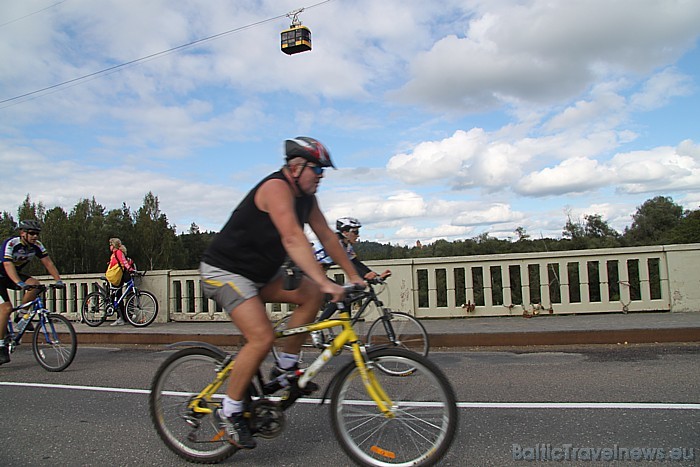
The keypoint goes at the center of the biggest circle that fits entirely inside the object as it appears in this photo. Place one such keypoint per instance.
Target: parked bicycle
(379, 418)
(392, 328)
(140, 306)
(54, 342)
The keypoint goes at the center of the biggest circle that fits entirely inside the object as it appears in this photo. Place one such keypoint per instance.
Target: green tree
(29, 210)
(8, 226)
(86, 232)
(55, 237)
(155, 239)
(521, 233)
(596, 227)
(192, 244)
(573, 229)
(687, 230)
(653, 221)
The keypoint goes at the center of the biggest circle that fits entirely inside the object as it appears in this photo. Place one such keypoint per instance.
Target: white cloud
(582, 93)
(564, 48)
(432, 160)
(576, 175)
(487, 215)
(660, 88)
(663, 169)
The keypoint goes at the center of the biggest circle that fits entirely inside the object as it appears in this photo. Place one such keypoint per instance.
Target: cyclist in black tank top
(240, 269)
(259, 252)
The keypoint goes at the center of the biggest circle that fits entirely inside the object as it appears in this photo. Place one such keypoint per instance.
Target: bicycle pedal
(272, 387)
(307, 390)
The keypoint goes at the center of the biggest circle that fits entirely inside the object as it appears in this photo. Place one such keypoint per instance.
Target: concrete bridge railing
(658, 278)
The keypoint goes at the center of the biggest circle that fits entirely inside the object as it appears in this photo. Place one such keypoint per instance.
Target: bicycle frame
(366, 298)
(346, 337)
(130, 287)
(34, 307)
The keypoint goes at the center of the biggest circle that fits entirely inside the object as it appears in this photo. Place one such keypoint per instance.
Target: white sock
(286, 361)
(231, 406)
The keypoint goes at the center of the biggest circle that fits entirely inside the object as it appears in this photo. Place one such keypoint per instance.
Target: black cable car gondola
(297, 38)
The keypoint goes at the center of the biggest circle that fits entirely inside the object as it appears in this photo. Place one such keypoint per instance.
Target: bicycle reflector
(382, 452)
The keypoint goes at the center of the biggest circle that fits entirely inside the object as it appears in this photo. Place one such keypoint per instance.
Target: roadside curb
(457, 339)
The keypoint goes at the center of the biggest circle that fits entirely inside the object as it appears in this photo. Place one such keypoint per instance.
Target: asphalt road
(516, 404)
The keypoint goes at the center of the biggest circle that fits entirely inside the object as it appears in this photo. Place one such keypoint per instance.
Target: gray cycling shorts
(227, 289)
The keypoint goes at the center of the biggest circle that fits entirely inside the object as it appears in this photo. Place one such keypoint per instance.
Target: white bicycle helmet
(347, 223)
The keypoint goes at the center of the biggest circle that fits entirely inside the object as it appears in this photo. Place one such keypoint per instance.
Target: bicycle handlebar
(42, 287)
(350, 288)
(378, 280)
(353, 292)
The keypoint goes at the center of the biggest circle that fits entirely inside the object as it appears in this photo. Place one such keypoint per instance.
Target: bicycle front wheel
(423, 422)
(94, 311)
(409, 333)
(192, 436)
(141, 308)
(54, 342)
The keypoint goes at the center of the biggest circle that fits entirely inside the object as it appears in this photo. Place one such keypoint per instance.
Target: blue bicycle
(54, 342)
(140, 306)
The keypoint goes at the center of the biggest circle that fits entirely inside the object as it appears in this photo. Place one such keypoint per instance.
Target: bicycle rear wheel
(192, 436)
(409, 333)
(141, 308)
(94, 310)
(424, 407)
(54, 342)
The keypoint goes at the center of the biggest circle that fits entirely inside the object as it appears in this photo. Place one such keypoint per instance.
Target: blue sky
(446, 119)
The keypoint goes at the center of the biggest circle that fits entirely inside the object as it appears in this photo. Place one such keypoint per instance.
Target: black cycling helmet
(308, 148)
(30, 224)
(347, 223)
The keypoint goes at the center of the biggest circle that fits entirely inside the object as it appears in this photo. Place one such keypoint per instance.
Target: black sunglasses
(355, 231)
(317, 170)
(32, 232)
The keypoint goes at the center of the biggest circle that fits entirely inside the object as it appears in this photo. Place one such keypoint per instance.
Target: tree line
(78, 240)
(658, 221)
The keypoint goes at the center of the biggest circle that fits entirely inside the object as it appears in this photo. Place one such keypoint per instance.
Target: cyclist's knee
(311, 295)
(261, 341)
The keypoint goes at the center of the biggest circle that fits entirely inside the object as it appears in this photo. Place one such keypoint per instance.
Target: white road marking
(462, 405)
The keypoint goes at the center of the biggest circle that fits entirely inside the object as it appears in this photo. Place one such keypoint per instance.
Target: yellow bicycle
(378, 417)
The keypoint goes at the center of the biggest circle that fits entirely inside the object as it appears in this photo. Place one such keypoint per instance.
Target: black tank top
(249, 243)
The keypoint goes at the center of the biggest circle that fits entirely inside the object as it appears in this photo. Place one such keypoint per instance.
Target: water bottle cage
(22, 324)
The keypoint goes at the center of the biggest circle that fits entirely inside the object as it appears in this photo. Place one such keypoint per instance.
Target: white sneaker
(118, 322)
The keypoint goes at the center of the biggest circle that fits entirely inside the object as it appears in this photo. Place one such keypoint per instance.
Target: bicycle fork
(388, 328)
(374, 389)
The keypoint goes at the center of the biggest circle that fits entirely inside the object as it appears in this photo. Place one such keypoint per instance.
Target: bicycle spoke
(54, 343)
(423, 420)
(141, 308)
(193, 436)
